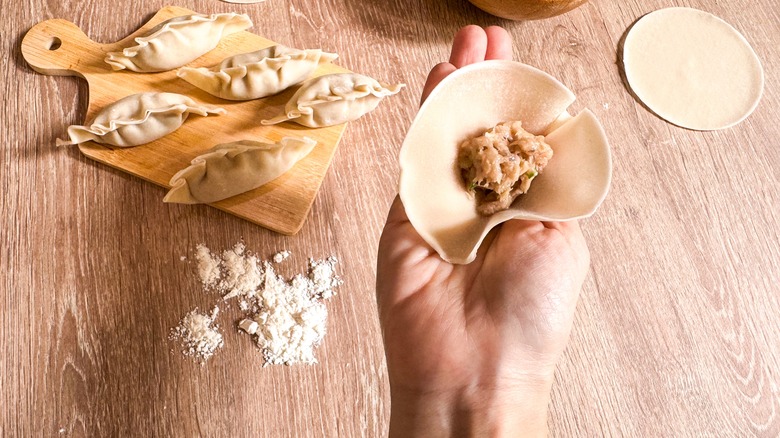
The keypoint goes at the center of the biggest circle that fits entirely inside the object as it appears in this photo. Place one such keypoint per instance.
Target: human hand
(471, 349)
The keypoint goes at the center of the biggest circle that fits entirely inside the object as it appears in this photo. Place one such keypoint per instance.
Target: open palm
(493, 328)
(505, 316)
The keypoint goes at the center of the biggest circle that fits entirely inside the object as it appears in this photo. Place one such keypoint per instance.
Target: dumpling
(233, 168)
(476, 97)
(256, 74)
(334, 99)
(138, 119)
(177, 41)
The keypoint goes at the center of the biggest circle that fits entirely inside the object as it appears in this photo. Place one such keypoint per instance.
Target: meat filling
(499, 165)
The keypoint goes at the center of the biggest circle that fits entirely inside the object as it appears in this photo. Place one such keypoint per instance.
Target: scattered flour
(287, 319)
(248, 326)
(292, 318)
(322, 274)
(242, 273)
(198, 338)
(281, 256)
(208, 266)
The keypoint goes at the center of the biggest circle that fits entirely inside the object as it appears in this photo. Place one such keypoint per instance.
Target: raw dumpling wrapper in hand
(233, 168)
(256, 74)
(472, 99)
(138, 119)
(334, 99)
(178, 41)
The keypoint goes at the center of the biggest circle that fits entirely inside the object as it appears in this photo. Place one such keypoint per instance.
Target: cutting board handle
(58, 47)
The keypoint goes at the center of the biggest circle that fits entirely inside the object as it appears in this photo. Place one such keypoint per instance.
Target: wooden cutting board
(59, 47)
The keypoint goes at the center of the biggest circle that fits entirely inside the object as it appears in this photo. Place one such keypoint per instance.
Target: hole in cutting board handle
(57, 47)
(54, 44)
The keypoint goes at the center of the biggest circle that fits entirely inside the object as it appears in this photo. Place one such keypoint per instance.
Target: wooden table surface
(677, 332)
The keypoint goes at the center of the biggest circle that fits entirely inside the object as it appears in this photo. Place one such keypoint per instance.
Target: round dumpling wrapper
(692, 69)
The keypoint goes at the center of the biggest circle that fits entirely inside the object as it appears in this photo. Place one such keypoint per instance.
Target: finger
(437, 74)
(572, 232)
(400, 249)
(566, 227)
(570, 229)
(399, 236)
(469, 46)
(397, 213)
(520, 225)
(499, 43)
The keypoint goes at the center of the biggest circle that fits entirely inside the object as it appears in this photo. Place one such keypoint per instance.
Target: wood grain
(58, 47)
(677, 332)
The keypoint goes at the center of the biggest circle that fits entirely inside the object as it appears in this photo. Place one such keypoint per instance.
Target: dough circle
(692, 69)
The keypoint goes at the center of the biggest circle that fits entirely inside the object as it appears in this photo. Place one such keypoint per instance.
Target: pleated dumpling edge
(230, 169)
(138, 119)
(334, 99)
(177, 41)
(257, 74)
